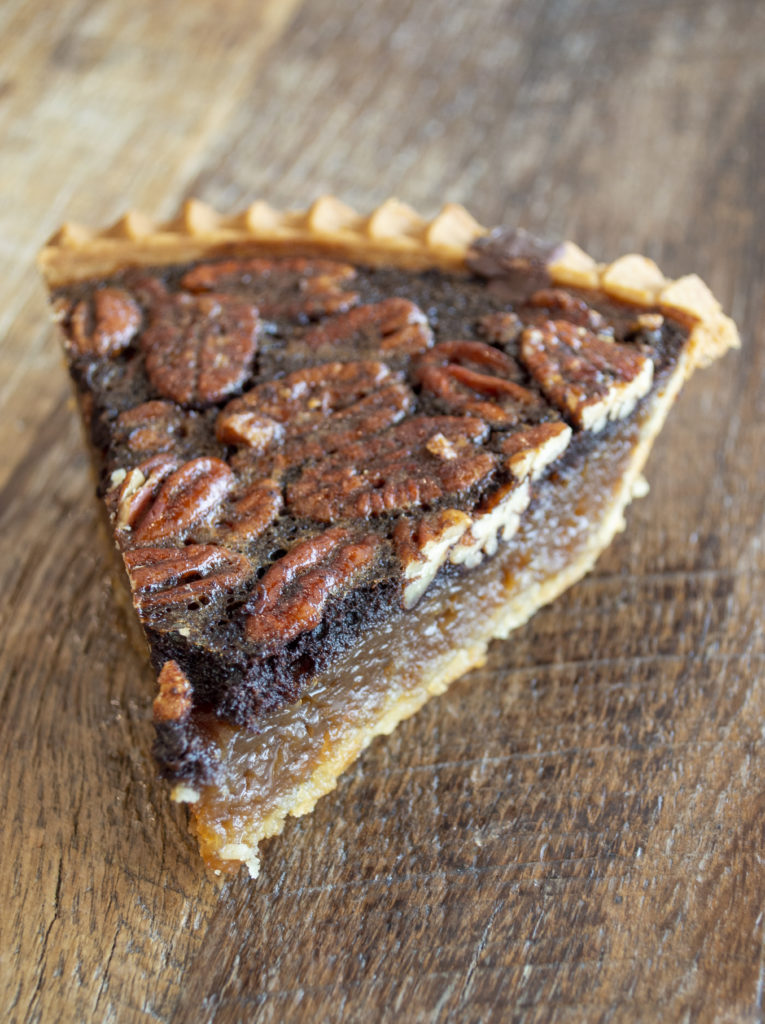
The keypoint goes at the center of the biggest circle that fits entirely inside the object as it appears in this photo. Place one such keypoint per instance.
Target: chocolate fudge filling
(294, 450)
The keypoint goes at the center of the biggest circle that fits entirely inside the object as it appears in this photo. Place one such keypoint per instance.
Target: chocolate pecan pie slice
(340, 454)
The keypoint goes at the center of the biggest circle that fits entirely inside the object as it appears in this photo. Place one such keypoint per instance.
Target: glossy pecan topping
(292, 595)
(381, 330)
(199, 348)
(591, 380)
(569, 307)
(103, 324)
(410, 465)
(297, 288)
(192, 575)
(317, 410)
(149, 427)
(474, 378)
(186, 498)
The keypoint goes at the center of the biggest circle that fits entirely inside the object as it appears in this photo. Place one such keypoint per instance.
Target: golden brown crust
(393, 234)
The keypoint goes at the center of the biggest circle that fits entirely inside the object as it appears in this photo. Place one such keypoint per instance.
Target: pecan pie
(340, 454)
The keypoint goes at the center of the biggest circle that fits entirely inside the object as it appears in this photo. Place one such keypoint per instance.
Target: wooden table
(574, 832)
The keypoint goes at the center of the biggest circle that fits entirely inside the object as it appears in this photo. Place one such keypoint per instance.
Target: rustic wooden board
(574, 831)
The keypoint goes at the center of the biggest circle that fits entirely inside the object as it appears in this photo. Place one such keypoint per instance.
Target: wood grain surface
(574, 832)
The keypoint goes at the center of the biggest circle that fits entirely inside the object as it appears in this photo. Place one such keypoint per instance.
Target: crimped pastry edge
(392, 234)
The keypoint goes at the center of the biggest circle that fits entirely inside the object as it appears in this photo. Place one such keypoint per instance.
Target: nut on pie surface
(341, 453)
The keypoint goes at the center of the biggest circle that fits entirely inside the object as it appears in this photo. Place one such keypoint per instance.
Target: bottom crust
(299, 756)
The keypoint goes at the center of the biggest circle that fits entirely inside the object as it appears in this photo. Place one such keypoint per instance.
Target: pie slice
(340, 454)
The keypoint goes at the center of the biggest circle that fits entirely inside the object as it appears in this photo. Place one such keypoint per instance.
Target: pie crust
(393, 235)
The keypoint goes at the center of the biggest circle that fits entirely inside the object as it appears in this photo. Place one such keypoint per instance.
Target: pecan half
(200, 348)
(409, 465)
(377, 331)
(315, 411)
(293, 593)
(589, 379)
(474, 378)
(149, 427)
(296, 288)
(171, 577)
(569, 307)
(531, 449)
(104, 323)
(187, 497)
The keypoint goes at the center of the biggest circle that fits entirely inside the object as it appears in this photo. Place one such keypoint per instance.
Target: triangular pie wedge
(340, 454)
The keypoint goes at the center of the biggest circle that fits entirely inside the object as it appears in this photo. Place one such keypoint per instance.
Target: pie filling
(302, 748)
(331, 485)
